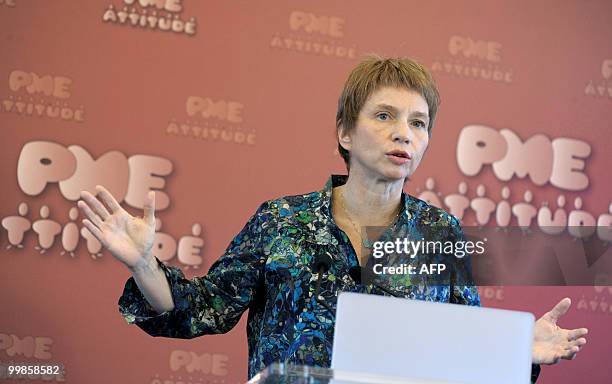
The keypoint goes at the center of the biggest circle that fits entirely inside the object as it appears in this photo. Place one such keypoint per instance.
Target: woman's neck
(369, 201)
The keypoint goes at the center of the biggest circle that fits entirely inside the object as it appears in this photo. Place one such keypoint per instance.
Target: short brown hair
(374, 72)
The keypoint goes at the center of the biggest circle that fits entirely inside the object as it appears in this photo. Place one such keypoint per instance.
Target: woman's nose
(399, 138)
(401, 134)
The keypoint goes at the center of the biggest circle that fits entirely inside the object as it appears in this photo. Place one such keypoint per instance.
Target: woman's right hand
(129, 239)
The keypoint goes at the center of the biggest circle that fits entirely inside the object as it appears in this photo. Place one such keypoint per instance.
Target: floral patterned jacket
(268, 269)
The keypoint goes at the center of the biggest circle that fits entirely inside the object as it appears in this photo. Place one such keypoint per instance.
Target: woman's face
(390, 136)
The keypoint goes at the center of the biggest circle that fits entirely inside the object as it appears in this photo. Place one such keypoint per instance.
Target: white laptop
(421, 340)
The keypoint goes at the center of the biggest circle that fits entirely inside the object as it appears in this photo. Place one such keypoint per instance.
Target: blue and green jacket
(268, 269)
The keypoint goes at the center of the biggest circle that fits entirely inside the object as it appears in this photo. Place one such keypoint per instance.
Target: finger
(108, 198)
(576, 333)
(559, 309)
(149, 208)
(89, 213)
(95, 205)
(570, 354)
(577, 343)
(95, 231)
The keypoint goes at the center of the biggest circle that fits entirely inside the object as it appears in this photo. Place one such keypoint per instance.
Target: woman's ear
(344, 138)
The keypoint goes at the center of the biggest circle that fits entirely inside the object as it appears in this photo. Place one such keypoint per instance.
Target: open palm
(552, 343)
(129, 239)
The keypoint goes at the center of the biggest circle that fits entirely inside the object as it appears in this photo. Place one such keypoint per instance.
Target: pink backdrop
(230, 103)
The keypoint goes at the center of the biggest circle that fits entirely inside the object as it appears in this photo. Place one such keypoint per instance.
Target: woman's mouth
(398, 157)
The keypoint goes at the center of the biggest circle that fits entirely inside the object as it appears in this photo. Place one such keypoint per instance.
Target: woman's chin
(396, 175)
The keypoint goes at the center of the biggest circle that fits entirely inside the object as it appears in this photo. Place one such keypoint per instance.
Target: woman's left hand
(552, 343)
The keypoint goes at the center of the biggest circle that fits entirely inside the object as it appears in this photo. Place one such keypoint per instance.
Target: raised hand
(552, 343)
(129, 239)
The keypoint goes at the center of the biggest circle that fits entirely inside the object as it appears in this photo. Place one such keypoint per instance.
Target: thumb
(149, 208)
(559, 309)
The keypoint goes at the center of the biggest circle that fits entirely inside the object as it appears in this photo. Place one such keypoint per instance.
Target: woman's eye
(419, 123)
(381, 115)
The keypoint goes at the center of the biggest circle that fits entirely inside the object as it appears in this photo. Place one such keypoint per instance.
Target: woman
(385, 116)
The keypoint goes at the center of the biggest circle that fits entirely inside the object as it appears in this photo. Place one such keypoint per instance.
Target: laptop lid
(430, 340)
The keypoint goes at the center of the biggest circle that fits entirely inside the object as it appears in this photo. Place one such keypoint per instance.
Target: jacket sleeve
(535, 372)
(463, 288)
(212, 303)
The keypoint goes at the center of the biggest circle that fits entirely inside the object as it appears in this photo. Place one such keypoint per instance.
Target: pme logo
(41, 95)
(189, 367)
(601, 88)
(33, 349)
(46, 165)
(160, 15)
(212, 120)
(597, 301)
(473, 58)
(315, 34)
